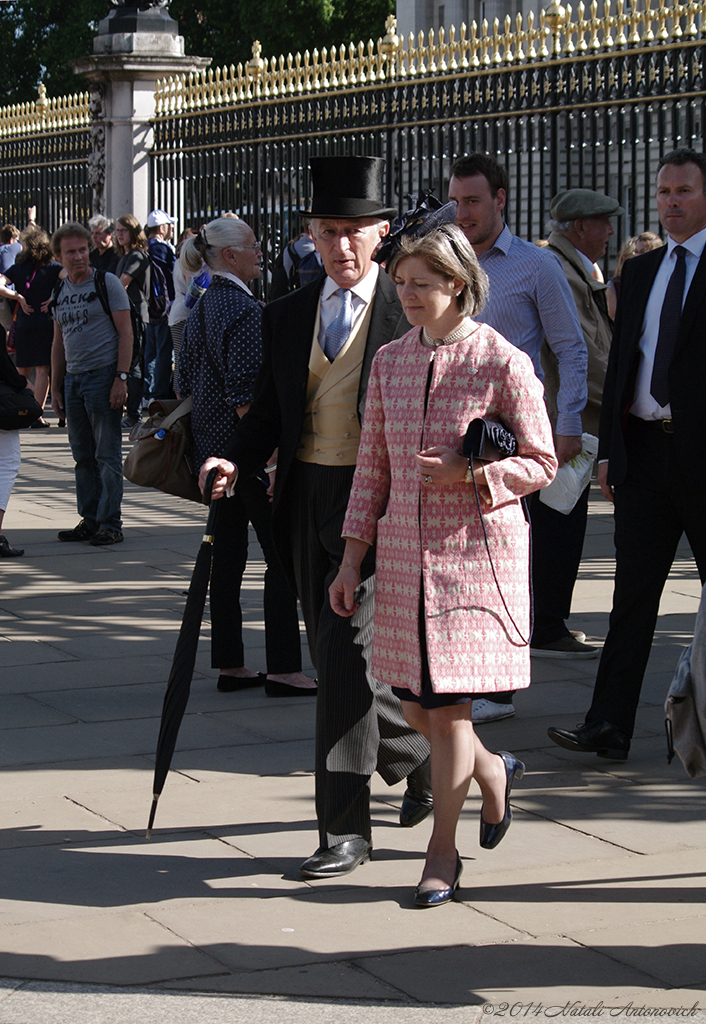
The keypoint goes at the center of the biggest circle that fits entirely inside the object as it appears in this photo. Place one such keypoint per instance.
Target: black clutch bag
(488, 441)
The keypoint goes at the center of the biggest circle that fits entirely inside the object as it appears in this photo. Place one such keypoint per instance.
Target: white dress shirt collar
(695, 244)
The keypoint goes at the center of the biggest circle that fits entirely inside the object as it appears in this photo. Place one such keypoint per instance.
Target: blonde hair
(448, 252)
(626, 252)
(220, 234)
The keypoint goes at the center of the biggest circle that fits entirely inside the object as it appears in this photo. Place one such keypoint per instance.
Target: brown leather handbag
(162, 454)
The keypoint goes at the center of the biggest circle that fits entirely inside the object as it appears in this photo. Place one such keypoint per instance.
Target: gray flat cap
(583, 202)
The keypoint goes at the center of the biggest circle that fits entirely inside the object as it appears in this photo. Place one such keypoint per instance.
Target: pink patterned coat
(434, 533)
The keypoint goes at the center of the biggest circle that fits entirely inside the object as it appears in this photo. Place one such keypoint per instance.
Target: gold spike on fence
(558, 32)
(60, 113)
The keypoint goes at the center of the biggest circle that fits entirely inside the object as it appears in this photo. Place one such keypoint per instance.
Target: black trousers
(557, 545)
(250, 504)
(653, 508)
(359, 723)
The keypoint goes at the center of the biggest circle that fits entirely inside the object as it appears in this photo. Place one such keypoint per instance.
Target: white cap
(158, 217)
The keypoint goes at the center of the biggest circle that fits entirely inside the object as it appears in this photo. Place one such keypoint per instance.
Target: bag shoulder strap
(55, 292)
(181, 410)
(102, 291)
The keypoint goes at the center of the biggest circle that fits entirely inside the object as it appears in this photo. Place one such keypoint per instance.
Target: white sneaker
(490, 711)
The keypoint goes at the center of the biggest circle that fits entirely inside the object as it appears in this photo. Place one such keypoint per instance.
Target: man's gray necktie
(668, 329)
(340, 327)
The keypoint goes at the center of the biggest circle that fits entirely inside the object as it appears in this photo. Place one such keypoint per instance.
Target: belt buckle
(667, 426)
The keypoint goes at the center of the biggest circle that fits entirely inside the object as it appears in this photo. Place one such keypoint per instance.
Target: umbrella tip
(153, 811)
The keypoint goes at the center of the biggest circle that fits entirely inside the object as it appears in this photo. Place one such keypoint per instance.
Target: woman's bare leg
(41, 384)
(457, 755)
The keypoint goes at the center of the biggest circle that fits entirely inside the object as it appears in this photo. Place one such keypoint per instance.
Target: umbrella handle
(212, 505)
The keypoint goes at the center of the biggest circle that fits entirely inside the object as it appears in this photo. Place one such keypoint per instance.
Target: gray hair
(448, 252)
(220, 234)
(100, 223)
(561, 226)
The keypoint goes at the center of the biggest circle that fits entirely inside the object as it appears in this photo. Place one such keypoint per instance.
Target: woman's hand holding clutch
(440, 466)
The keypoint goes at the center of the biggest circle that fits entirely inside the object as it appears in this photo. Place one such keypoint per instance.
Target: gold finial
(256, 65)
(607, 26)
(520, 37)
(554, 17)
(41, 103)
(390, 42)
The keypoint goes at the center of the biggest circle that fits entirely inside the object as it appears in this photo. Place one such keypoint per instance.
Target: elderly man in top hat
(318, 344)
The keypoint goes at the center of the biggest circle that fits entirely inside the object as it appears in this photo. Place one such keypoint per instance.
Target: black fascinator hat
(428, 214)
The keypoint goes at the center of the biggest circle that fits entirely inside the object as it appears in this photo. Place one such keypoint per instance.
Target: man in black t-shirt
(103, 256)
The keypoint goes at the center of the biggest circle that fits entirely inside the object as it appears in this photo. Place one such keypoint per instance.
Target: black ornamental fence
(46, 154)
(570, 98)
(573, 100)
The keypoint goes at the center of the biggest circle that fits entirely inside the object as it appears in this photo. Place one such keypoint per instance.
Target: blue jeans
(95, 437)
(158, 359)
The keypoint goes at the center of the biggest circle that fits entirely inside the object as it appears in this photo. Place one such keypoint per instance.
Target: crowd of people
(343, 421)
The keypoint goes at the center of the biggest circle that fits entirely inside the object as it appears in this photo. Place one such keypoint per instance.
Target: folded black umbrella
(179, 685)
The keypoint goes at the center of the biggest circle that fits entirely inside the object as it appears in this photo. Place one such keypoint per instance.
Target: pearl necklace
(466, 329)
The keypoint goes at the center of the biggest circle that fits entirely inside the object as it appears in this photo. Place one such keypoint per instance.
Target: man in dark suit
(652, 456)
(318, 345)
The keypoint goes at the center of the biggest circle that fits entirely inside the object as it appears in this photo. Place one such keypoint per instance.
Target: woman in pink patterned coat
(445, 630)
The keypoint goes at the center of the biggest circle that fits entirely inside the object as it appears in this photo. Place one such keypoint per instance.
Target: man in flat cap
(652, 457)
(581, 226)
(529, 300)
(318, 344)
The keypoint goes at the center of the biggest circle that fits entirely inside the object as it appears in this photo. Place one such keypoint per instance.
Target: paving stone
(69, 673)
(335, 924)
(118, 948)
(553, 971)
(20, 712)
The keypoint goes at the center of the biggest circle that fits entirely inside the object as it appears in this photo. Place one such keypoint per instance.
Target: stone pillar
(134, 47)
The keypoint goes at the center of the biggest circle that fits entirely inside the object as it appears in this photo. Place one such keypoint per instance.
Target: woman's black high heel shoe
(437, 897)
(490, 835)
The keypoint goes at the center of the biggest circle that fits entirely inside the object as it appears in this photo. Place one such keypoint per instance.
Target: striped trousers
(359, 723)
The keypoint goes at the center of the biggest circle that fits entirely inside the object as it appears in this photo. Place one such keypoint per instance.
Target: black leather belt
(664, 426)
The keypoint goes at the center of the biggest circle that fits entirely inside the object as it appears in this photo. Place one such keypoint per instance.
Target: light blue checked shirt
(530, 300)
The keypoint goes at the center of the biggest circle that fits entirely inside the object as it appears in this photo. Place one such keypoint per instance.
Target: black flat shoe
(273, 688)
(229, 684)
(337, 860)
(597, 737)
(437, 897)
(417, 802)
(6, 551)
(490, 835)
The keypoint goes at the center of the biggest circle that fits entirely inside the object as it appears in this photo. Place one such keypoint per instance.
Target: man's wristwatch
(123, 375)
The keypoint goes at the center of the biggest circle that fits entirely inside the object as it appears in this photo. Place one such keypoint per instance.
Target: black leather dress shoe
(337, 860)
(437, 897)
(597, 737)
(417, 802)
(490, 835)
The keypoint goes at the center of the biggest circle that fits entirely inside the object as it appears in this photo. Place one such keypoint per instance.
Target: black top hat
(348, 186)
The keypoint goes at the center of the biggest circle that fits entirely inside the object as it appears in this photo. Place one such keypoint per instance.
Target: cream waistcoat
(331, 431)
